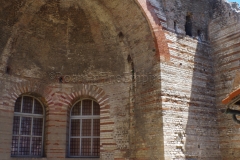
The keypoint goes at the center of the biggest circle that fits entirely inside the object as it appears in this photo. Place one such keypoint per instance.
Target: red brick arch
(61, 98)
(35, 89)
(89, 91)
(162, 51)
(47, 96)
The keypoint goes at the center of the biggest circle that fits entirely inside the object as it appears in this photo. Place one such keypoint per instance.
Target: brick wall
(48, 57)
(224, 34)
(159, 90)
(58, 100)
(187, 89)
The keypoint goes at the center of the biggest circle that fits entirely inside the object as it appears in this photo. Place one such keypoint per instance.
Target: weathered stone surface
(159, 90)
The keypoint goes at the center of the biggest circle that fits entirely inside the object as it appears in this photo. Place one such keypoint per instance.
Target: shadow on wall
(200, 133)
(198, 137)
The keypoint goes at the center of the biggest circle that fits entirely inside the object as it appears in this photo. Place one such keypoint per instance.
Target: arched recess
(83, 90)
(40, 23)
(29, 88)
(85, 37)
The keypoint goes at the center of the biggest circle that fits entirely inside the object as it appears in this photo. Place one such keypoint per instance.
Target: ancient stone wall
(224, 35)
(173, 13)
(61, 51)
(188, 97)
(187, 84)
(158, 69)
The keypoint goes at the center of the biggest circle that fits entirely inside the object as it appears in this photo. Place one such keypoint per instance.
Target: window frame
(32, 115)
(80, 117)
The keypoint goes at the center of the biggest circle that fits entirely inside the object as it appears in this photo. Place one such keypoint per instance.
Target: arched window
(28, 127)
(84, 139)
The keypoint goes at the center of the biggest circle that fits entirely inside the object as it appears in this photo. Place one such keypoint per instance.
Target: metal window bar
(81, 137)
(92, 131)
(31, 128)
(20, 126)
(20, 136)
(81, 130)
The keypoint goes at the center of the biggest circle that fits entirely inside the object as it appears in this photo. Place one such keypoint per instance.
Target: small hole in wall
(198, 146)
(180, 64)
(60, 79)
(120, 35)
(229, 14)
(8, 70)
(175, 26)
(129, 59)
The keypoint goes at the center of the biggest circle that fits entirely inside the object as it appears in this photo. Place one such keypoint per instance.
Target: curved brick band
(155, 24)
(29, 87)
(84, 90)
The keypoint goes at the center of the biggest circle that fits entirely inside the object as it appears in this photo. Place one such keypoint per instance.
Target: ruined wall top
(175, 15)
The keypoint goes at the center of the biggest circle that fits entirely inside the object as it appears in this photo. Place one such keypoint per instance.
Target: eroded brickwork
(189, 113)
(61, 51)
(224, 34)
(159, 90)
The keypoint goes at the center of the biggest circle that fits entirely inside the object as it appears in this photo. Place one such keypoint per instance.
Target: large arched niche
(79, 37)
(73, 37)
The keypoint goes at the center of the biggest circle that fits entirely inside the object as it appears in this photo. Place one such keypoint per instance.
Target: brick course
(159, 90)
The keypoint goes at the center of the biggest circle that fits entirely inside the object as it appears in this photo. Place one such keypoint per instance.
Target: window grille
(84, 131)
(28, 127)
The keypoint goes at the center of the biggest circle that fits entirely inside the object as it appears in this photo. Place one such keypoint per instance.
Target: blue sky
(234, 1)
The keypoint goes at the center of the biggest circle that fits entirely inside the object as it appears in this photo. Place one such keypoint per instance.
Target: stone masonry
(159, 70)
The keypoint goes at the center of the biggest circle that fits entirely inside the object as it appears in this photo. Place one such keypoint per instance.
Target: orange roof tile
(231, 96)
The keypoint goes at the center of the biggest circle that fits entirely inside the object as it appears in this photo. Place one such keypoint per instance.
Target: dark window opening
(175, 26)
(188, 25)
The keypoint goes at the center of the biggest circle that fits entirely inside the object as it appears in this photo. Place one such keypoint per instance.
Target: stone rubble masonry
(224, 34)
(171, 115)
